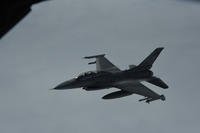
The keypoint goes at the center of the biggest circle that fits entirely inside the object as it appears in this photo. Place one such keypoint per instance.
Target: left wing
(103, 64)
(140, 89)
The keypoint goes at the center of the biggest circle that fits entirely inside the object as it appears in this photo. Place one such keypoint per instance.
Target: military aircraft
(12, 11)
(107, 75)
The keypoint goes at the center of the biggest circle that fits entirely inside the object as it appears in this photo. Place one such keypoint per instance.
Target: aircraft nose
(65, 85)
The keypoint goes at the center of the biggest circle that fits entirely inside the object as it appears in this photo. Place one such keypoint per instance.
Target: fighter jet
(107, 75)
(12, 11)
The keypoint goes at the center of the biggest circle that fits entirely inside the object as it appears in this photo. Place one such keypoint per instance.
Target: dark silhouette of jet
(12, 11)
(128, 81)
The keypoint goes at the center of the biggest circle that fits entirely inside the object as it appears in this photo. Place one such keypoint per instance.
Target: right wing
(137, 88)
(129, 88)
(103, 64)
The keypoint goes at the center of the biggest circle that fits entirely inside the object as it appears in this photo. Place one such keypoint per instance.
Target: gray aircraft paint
(45, 48)
(128, 81)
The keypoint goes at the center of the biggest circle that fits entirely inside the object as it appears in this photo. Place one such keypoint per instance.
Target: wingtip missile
(148, 99)
(94, 56)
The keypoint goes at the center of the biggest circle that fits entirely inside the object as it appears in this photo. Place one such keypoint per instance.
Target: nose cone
(66, 85)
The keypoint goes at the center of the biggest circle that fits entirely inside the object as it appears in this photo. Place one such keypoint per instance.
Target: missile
(90, 63)
(94, 56)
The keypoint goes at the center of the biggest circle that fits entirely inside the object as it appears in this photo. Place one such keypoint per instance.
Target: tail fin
(148, 62)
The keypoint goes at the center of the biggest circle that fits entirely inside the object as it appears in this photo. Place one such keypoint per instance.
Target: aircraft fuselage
(103, 80)
(107, 75)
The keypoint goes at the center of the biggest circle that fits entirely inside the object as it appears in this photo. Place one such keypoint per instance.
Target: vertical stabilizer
(147, 63)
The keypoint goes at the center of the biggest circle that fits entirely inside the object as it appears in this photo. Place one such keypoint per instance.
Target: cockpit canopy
(92, 74)
(86, 74)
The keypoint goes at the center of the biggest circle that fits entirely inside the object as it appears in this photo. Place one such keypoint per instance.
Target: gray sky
(45, 49)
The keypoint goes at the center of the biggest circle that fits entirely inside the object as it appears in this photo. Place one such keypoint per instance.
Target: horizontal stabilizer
(158, 82)
(116, 94)
(148, 62)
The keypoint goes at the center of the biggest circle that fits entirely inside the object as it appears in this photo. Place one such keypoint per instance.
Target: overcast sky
(46, 48)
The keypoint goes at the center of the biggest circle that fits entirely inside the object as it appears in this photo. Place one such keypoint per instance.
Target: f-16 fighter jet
(12, 11)
(107, 75)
